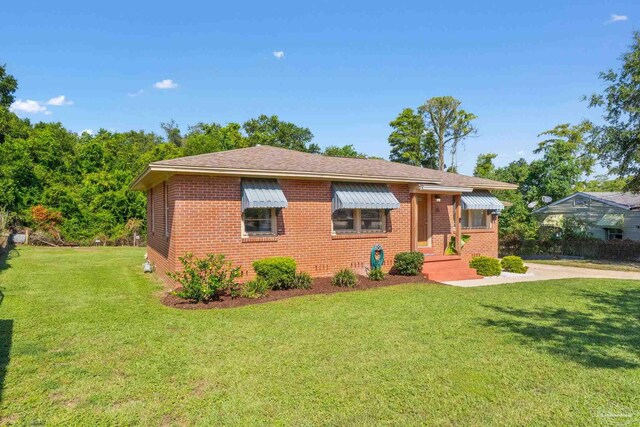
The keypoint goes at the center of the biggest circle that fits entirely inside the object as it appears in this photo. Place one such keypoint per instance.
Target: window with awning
(351, 195)
(481, 200)
(262, 193)
(361, 208)
(260, 199)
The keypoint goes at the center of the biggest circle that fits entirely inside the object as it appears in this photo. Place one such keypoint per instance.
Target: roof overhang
(155, 173)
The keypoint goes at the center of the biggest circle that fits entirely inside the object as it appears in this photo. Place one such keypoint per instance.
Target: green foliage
(278, 272)
(344, 151)
(345, 278)
(451, 247)
(376, 274)
(270, 130)
(203, 279)
(256, 288)
(408, 263)
(411, 143)
(302, 281)
(617, 139)
(486, 266)
(8, 86)
(513, 264)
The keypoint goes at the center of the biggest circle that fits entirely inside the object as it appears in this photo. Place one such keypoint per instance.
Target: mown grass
(85, 341)
(586, 263)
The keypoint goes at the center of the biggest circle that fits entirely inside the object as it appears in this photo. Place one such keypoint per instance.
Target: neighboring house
(326, 212)
(608, 215)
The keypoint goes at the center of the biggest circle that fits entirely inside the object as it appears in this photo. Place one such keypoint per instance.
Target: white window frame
(166, 209)
(610, 232)
(468, 214)
(274, 225)
(357, 223)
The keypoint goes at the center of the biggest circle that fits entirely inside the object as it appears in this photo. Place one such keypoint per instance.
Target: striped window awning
(481, 199)
(351, 195)
(611, 221)
(262, 193)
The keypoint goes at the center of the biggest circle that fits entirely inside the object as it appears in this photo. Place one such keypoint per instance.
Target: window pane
(478, 218)
(465, 218)
(343, 220)
(370, 219)
(257, 221)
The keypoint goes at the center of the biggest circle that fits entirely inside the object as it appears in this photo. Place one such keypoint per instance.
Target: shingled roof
(282, 163)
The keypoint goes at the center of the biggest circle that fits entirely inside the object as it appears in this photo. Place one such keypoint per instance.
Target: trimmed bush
(256, 288)
(278, 272)
(345, 278)
(513, 264)
(376, 274)
(408, 263)
(302, 281)
(205, 278)
(486, 266)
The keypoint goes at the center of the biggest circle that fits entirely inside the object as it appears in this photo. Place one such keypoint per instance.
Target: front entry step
(444, 268)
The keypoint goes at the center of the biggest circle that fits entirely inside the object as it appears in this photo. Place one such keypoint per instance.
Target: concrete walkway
(546, 272)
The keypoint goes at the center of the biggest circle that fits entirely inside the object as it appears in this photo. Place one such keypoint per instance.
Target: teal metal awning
(611, 221)
(481, 199)
(351, 195)
(262, 193)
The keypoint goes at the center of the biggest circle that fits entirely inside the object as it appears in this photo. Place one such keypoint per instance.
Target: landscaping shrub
(513, 264)
(486, 266)
(256, 288)
(302, 281)
(345, 278)
(408, 263)
(376, 274)
(278, 272)
(205, 278)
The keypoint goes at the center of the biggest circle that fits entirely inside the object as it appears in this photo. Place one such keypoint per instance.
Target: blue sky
(346, 68)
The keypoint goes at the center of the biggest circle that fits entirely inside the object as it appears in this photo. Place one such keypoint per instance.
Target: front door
(423, 219)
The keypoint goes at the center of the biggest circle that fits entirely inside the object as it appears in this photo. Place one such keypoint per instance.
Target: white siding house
(610, 215)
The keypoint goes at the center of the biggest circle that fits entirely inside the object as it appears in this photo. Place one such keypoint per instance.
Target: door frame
(416, 215)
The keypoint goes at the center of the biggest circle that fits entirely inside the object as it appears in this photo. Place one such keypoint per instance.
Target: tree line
(75, 187)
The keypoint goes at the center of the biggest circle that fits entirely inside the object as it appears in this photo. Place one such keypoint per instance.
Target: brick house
(326, 212)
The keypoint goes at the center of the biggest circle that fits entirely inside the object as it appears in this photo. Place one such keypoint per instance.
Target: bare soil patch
(321, 285)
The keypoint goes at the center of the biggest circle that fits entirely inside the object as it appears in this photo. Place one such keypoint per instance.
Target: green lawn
(587, 263)
(85, 341)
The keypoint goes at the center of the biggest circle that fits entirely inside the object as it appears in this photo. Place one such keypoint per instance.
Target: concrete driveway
(546, 272)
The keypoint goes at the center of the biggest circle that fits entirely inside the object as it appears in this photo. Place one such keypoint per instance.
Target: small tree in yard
(204, 279)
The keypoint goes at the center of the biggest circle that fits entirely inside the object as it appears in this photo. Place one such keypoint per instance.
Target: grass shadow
(6, 254)
(604, 335)
(6, 336)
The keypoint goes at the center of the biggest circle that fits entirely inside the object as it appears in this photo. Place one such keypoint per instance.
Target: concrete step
(446, 268)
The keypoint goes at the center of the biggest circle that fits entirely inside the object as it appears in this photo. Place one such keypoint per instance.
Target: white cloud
(520, 153)
(616, 18)
(87, 131)
(29, 107)
(165, 84)
(279, 54)
(59, 100)
(137, 93)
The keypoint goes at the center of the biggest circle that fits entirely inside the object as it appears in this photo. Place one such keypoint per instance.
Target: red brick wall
(205, 217)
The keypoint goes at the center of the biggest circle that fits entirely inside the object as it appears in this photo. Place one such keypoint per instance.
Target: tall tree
(450, 124)
(270, 130)
(211, 137)
(462, 128)
(618, 140)
(8, 86)
(172, 131)
(411, 142)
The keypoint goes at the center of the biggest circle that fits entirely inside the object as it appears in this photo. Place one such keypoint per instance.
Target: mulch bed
(321, 285)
